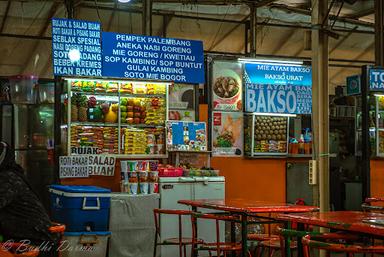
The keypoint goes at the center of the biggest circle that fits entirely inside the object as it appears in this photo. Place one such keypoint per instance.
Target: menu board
(154, 58)
(76, 48)
(227, 134)
(186, 136)
(227, 86)
(278, 88)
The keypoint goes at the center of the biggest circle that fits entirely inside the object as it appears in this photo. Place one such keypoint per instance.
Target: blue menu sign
(76, 48)
(376, 79)
(278, 88)
(152, 58)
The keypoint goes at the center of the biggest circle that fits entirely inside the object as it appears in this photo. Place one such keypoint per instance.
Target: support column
(70, 5)
(252, 28)
(320, 101)
(147, 18)
(379, 32)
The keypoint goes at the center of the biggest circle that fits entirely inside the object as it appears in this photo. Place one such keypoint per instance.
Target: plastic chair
(181, 241)
(265, 240)
(58, 229)
(324, 242)
(11, 250)
(290, 233)
(368, 207)
(220, 247)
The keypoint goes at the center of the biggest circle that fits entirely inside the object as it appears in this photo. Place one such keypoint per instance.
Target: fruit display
(133, 110)
(118, 117)
(270, 134)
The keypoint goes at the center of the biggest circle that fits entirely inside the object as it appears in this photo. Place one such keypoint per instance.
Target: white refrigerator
(188, 188)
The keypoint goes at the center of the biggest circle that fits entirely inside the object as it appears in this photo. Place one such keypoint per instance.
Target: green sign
(354, 85)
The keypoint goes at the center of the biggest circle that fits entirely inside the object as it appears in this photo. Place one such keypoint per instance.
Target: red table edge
(261, 209)
(368, 229)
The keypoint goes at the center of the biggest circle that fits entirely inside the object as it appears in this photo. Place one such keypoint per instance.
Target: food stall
(261, 114)
(112, 104)
(368, 91)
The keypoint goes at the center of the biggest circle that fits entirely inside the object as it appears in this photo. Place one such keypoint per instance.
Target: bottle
(301, 144)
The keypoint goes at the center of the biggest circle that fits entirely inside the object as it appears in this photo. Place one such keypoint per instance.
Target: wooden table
(351, 221)
(246, 208)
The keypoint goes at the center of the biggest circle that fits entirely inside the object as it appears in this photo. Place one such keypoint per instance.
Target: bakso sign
(271, 88)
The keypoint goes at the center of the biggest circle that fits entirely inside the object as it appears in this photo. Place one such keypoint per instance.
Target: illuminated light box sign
(278, 88)
(79, 48)
(76, 48)
(152, 58)
(354, 85)
(376, 79)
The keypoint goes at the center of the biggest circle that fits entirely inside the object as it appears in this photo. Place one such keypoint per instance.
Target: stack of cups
(139, 177)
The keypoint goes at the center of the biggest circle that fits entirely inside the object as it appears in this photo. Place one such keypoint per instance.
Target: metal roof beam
(331, 17)
(5, 16)
(361, 13)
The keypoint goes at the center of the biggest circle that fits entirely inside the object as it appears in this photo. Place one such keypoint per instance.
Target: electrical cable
(98, 13)
(328, 12)
(221, 24)
(338, 13)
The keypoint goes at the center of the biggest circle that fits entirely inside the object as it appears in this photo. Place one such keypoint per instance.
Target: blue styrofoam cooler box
(80, 208)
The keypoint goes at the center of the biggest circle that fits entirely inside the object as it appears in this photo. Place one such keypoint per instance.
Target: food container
(153, 176)
(133, 177)
(151, 149)
(47, 93)
(159, 148)
(124, 187)
(131, 165)
(144, 188)
(142, 166)
(23, 89)
(153, 188)
(133, 188)
(153, 165)
(143, 176)
(170, 172)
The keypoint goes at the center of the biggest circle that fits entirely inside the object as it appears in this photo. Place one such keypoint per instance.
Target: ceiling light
(124, 1)
(74, 55)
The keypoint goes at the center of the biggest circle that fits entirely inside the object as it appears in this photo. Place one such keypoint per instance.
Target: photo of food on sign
(226, 86)
(186, 136)
(227, 134)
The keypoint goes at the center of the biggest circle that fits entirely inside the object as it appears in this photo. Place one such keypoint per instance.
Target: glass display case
(265, 135)
(123, 118)
(376, 110)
